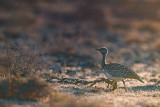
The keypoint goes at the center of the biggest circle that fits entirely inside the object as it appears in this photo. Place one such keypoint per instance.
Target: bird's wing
(119, 70)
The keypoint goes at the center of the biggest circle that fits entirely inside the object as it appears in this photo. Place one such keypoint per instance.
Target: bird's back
(121, 71)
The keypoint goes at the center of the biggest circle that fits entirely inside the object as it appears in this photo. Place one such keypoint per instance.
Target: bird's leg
(108, 82)
(124, 85)
(114, 85)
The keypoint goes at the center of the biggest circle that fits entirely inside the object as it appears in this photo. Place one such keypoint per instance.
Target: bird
(116, 72)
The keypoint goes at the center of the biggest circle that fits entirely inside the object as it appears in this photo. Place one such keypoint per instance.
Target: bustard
(116, 72)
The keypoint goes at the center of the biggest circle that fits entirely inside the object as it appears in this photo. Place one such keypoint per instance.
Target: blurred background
(70, 30)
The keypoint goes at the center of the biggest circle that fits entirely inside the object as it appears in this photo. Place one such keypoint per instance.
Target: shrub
(18, 59)
(24, 89)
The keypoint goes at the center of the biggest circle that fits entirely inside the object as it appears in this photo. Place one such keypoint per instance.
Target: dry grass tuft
(19, 60)
(24, 89)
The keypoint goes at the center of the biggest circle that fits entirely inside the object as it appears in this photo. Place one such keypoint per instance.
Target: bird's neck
(103, 60)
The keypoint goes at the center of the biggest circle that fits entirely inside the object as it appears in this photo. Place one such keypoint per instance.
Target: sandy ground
(138, 94)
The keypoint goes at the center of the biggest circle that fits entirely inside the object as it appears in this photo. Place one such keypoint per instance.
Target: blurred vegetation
(24, 89)
(19, 60)
(74, 28)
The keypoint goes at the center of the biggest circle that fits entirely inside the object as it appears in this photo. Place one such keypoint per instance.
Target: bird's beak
(97, 49)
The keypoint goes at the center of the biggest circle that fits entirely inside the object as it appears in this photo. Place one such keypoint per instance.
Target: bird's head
(103, 50)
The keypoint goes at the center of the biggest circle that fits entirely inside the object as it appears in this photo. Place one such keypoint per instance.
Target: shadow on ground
(145, 88)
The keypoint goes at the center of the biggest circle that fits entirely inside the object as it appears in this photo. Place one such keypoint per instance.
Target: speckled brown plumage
(119, 70)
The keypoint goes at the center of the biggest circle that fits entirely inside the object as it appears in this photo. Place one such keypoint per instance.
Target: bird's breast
(117, 79)
(106, 74)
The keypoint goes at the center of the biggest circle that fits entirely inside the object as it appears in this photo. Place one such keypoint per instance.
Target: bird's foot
(114, 84)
